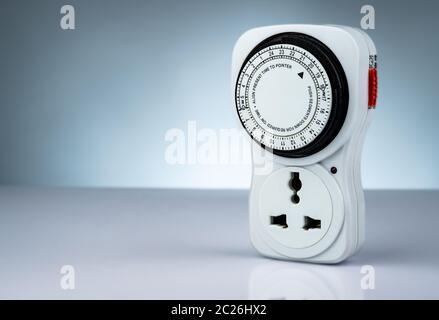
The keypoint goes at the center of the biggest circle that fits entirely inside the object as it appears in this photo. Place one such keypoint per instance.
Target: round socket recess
(297, 208)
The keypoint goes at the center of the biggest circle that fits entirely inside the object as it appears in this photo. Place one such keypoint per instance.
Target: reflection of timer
(305, 94)
(275, 281)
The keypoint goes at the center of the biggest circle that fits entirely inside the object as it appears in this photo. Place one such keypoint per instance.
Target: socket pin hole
(295, 185)
(310, 223)
(280, 220)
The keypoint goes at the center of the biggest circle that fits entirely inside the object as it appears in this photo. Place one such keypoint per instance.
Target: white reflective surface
(157, 244)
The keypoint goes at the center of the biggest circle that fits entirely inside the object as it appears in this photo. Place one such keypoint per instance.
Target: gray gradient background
(90, 107)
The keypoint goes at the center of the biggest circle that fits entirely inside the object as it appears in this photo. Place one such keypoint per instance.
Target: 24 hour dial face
(283, 97)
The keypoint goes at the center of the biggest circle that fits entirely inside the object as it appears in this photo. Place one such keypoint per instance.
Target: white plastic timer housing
(305, 95)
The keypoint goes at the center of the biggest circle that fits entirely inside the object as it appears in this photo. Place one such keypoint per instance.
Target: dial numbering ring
(292, 95)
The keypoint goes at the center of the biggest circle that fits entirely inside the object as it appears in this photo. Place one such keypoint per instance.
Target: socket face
(312, 222)
(295, 207)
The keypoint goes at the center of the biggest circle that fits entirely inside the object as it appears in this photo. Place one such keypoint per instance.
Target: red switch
(373, 88)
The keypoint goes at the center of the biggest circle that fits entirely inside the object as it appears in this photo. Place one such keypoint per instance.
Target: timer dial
(291, 94)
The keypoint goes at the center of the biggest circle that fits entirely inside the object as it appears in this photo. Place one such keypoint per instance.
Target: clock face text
(283, 97)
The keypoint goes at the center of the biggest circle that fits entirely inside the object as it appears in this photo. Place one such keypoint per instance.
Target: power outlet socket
(300, 211)
(296, 207)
